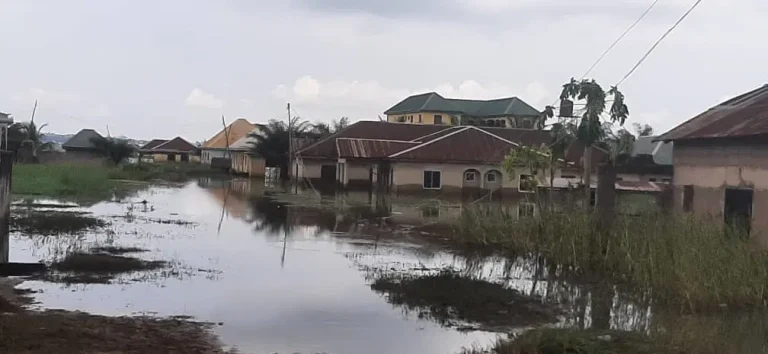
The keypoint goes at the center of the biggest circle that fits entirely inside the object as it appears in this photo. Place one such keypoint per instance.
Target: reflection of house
(216, 146)
(650, 161)
(244, 161)
(721, 161)
(431, 108)
(174, 150)
(81, 147)
(425, 157)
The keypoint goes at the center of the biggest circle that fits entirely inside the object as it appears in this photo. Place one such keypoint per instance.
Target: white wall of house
(453, 175)
(207, 154)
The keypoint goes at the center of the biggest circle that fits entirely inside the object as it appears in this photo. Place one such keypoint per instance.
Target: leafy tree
(643, 129)
(590, 127)
(320, 130)
(28, 133)
(272, 142)
(116, 150)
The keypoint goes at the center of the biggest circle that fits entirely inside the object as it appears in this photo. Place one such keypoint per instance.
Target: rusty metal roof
(369, 148)
(744, 115)
(176, 144)
(466, 145)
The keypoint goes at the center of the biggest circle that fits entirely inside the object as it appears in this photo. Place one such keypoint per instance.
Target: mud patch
(54, 223)
(453, 300)
(96, 268)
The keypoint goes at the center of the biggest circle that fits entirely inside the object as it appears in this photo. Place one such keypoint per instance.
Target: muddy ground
(26, 331)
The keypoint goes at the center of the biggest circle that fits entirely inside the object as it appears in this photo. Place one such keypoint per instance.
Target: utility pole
(290, 143)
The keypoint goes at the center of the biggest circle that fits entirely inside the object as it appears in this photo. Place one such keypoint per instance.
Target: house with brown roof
(411, 157)
(217, 147)
(244, 160)
(720, 162)
(174, 150)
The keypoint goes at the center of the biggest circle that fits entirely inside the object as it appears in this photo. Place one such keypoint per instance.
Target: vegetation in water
(53, 222)
(456, 300)
(682, 261)
(173, 172)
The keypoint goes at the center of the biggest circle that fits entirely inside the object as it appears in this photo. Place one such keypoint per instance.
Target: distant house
(721, 162)
(650, 161)
(244, 161)
(412, 158)
(216, 146)
(174, 150)
(431, 108)
(81, 147)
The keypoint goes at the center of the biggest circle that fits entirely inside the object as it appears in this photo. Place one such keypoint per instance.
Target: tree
(272, 142)
(116, 150)
(535, 159)
(320, 130)
(590, 127)
(643, 129)
(29, 134)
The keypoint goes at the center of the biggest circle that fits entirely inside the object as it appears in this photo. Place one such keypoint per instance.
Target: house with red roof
(720, 162)
(174, 150)
(428, 157)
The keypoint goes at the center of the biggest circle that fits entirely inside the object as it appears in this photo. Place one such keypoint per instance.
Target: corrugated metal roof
(744, 115)
(469, 145)
(649, 145)
(367, 148)
(153, 143)
(176, 144)
(434, 102)
(82, 140)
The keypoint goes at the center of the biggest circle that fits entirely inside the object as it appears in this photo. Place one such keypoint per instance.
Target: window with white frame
(432, 180)
(526, 184)
(526, 210)
(490, 177)
(469, 176)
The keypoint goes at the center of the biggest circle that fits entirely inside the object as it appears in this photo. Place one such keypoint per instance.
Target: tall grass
(61, 180)
(680, 260)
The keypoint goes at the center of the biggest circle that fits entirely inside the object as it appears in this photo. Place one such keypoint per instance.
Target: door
(738, 208)
(184, 157)
(328, 173)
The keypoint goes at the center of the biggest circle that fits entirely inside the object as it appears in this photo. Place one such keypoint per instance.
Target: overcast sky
(157, 69)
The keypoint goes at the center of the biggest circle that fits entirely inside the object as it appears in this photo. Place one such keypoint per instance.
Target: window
(490, 177)
(432, 180)
(410, 118)
(688, 198)
(419, 118)
(527, 184)
(573, 176)
(438, 119)
(652, 179)
(469, 176)
(526, 210)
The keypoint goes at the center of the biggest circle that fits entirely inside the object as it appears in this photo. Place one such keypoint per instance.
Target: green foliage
(643, 129)
(28, 133)
(590, 126)
(535, 159)
(116, 150)
(86, 181)
(684, 262)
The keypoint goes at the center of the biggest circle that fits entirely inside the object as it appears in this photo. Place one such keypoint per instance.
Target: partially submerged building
(174, 150)
(217, 147)
(412, 158)
(721, 162)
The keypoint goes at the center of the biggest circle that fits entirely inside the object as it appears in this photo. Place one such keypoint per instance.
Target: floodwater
(296, 279)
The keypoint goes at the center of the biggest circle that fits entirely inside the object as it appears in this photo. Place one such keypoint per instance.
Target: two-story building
(431, 108)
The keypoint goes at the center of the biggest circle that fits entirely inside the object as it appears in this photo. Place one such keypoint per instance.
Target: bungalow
(721, 162)
(412, 157)
(174, 150)
(80, 147)
(244, 161)
(217, 146)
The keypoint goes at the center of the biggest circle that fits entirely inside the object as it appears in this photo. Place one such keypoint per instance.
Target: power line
(619, 39)
(605, 53)
(659, 41)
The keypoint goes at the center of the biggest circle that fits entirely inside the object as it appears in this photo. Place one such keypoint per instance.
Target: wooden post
(6, 167)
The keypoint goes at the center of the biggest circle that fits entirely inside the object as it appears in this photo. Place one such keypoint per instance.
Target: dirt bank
(26, 331)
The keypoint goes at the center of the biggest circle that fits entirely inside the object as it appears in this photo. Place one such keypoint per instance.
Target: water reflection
(295, 278)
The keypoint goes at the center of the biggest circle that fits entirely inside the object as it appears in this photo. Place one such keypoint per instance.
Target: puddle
(277, 278)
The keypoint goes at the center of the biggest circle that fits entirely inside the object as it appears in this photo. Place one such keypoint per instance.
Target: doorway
(738, 208)
(328, 174)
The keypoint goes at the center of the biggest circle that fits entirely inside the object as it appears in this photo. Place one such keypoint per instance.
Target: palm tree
(272, 142)
(29, 134)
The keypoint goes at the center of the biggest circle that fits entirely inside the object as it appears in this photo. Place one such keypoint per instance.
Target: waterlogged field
(351, 274)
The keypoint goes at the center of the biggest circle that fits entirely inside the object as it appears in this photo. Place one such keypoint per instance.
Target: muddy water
(234, 265)
(296, 279)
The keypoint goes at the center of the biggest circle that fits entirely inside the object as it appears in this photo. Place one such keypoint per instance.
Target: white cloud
(200, 98)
